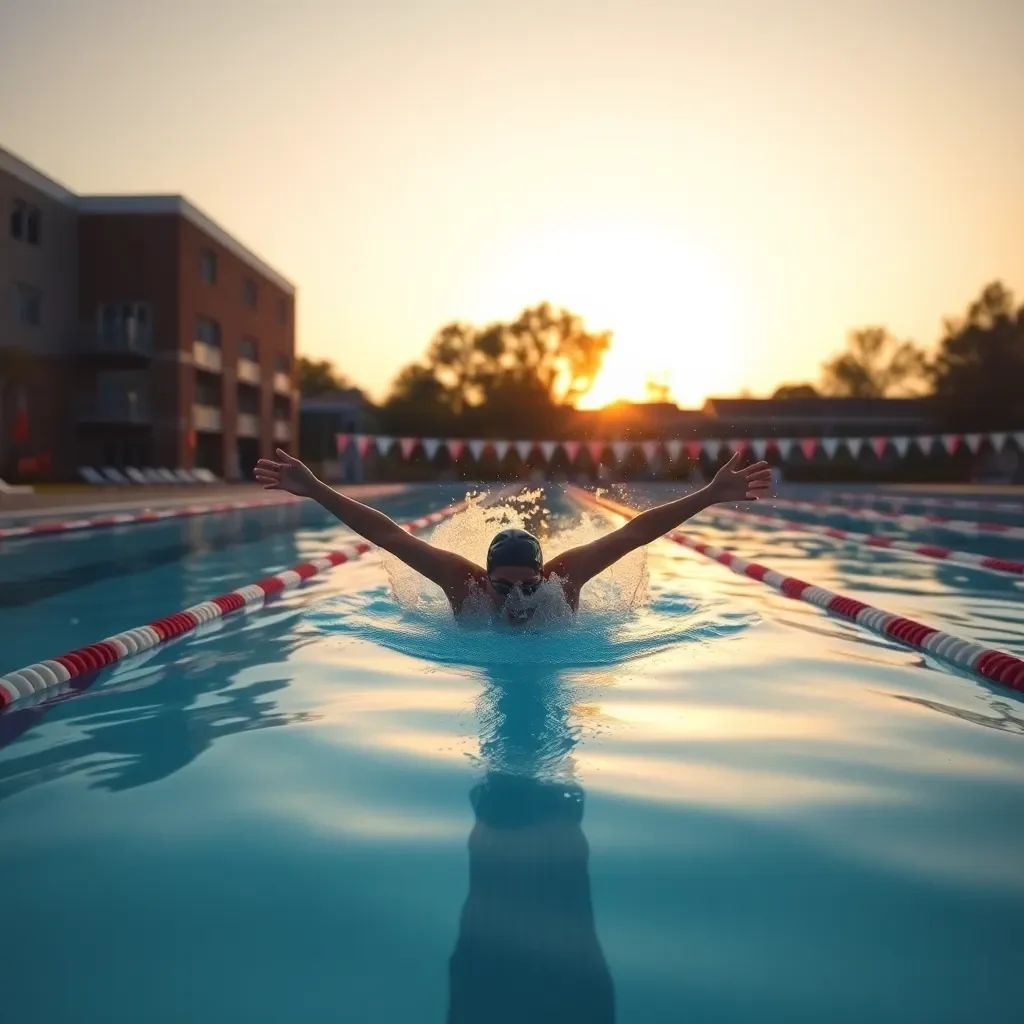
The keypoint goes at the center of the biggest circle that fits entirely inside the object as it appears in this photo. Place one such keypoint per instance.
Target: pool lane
(77, 588)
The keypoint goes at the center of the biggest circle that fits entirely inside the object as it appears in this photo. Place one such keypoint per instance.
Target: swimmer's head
(514, 567)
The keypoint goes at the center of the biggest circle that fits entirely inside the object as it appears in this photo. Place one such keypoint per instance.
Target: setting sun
(675, 319)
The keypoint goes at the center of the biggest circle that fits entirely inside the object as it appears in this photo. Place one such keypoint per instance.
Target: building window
(282, 312)
(249, 349)
(208, 390)
(208, 331)
(131, 321)
(28, 305)
(282, 364)
(33, 226)
(250, 292)
(208, 266)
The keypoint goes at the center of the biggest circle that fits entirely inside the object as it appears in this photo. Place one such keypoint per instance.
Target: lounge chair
(90, 476)
(152, 476)
(184, 476)
(135, 475)
(115, 476)
(204, 476)
(167, 477)
(6, 488)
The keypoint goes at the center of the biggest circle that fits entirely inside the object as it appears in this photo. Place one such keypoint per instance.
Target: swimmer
(515, 566)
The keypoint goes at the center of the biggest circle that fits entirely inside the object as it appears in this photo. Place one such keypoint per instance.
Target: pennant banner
(523, 448)
(596, 449)
(384, 444)
(342, 441)
(878, 446)
(501, 449)
(431, 446)
(572, 449)
(476, 449)
(548, 449)
(363, 443)
(407, 445)
(830, 446)
(808, 445)
(620, 449)
(650, 450)
(455, 449)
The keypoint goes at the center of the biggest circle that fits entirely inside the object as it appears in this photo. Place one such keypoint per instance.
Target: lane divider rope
(1003, 566)
(51, 526)
(55, 671)
(898, 501)
(991, 664)
(906, 522)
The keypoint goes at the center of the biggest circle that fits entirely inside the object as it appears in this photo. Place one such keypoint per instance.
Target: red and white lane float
(853, 499)
(997, 666)
(49, 527)
(1004, 566)
(906, 522)
(55, 671)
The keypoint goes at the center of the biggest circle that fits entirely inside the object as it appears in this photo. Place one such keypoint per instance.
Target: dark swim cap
(515, 547)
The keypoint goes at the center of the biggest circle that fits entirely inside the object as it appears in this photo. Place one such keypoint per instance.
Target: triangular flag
(785, 446)
(455, 449)
(973, 442)
(673, 448)
(998, 440)
(855, 444)
(712, 448)
(524, 448)
(407, 445)
(430, 446)
(383, 444)
(925, 442)
(650, 450)
(621, 449)
(808, 445)
(902, 445)
(501, 449)
(572, 449)
(476, 448)
(759, 447)
(363, 443)
(548, 449)
(739, 446)
(693, 449)
(342, 441)
(878, 446)
(1019, 438)
(596, 449)
(951, 442)
(831, 446)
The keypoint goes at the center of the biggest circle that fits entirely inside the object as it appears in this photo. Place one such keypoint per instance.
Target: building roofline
(179, 206)
(35, 178)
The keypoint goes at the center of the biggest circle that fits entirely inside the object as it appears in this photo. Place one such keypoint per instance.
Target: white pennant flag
(973, 442)
(998, 440)
(650, 450)
(501, 448)
(759, 446)
(831, 446)
(925, 442)
(548, 448)
(384, 444)
(902, 445)
(621, 449)
(1019, 438)
(476, 448)
(430, 446)
(855, 444)
(712, 448)
(524, 448)
(673, 448)
(785, 446)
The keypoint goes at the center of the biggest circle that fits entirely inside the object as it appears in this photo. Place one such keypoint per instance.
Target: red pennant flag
(808, 445)
(572, 449)
(455, 449)
(407, 445)
(342, 440)
(363, 444)
(951, 442)
(650, 449)
(21, 425)
(878, 446)
(693, 450)
(596, 449)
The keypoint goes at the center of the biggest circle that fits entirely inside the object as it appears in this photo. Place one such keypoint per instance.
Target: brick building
(134, 331)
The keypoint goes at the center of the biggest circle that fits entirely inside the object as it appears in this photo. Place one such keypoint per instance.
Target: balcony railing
(206, 418)
(207, 357)
(282, 430)
(130, 338)
(248, 372)
(123, 408)
(282, 383)
(248, 425)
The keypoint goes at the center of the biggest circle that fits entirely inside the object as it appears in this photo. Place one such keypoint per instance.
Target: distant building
(322, 418)
(818, 417)
(137, 333)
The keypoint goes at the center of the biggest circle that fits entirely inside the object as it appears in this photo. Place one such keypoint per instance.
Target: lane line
(994, 665)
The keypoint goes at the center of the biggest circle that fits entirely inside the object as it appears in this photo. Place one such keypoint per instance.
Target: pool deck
(82, 500)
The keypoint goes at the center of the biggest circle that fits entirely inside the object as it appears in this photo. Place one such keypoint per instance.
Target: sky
(728, 186)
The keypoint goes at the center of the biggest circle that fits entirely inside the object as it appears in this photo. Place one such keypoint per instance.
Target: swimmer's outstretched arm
(578, 565)
(451, 572)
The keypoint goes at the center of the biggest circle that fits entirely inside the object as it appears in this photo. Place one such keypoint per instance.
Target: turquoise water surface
(696, 801)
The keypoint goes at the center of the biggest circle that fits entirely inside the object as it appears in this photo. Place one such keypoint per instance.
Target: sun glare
(674, 318)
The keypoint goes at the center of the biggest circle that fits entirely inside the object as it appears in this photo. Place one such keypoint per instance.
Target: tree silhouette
(875, 365)
(978, 375)
(792, 391)
(318, 377)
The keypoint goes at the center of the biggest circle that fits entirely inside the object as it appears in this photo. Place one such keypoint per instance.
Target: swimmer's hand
(289, 474)
(732, 484)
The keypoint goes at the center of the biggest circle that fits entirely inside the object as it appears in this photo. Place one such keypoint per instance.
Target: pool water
(696, 801)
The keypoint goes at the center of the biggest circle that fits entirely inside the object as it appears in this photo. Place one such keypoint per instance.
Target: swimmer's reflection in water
(515, 568)
(528, 949)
